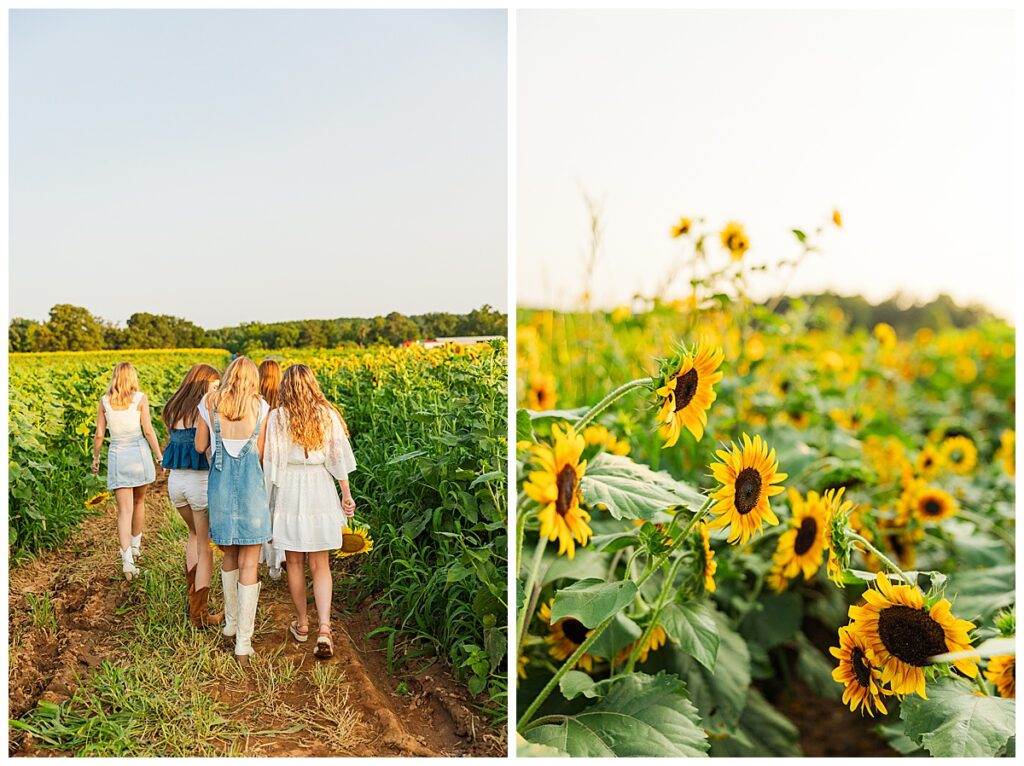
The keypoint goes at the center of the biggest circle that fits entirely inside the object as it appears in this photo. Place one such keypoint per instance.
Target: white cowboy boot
(137, 545)
(248, 596)
(128, 564)
(230, 583)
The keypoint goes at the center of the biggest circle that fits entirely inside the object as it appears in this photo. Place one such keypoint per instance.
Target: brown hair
(184, 404)
(309, 412)
(124, 382)
(270, 381)
(239, 392)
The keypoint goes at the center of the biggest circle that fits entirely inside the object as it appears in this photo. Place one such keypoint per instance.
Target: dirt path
(71, 614)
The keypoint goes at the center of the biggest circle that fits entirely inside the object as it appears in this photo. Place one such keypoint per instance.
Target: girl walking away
(187, 485)
(232, 427)
(307, 445)
(270, 382)
(124, 410)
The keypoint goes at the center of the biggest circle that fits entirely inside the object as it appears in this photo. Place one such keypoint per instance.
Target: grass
(41, 609)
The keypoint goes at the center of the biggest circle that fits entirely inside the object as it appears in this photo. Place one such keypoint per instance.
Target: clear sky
(901, 119)
(230, 166)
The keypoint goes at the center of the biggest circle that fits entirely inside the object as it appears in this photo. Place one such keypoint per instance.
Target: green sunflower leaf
(692, 626)
(629, 490)
(981, 593)
(954, 722)
(619, 634)
(762, 731)
(592, 601)
(641, 716)
(527, 749)
(524, 426)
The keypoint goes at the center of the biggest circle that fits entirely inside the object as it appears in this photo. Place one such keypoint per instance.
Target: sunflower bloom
(929, 462)
(747, 475)
(710, 565)
(97, 500)
(540, 393)
(556, 487)
(1000, 672)
(801, 548)
(859, 673)
(837, 219)
(686, 392)
(682, 228)
(605, 439)
(654, 642)
(1006, 452)
(564, 637)
(959, 454)
(735, 240)
(354, 541)
(932, 504)
(904, 634)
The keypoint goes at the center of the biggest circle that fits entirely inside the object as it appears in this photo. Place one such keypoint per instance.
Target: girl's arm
(97, 440)
(202, 436)
(147, 430)
(348, 505)
(261, 440)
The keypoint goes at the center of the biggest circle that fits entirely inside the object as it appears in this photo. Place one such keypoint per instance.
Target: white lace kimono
(304, 502)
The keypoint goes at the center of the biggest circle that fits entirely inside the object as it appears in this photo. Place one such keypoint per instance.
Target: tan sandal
(293, 628)
(324, 648)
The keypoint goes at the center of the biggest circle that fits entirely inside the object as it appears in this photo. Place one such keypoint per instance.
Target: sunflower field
(429, 428)
(747, 531)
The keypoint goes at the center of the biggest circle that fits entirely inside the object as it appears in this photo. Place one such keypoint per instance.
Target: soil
(434, 716)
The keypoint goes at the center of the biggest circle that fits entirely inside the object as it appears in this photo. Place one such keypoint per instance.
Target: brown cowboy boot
(199, 609)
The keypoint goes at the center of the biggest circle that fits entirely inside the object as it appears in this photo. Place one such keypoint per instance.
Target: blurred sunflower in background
(748, 476)
(959, 454)
(929, 462)
(1000, 672)
(600, 436)
(686, 391)
(540, 393)
(801, 548)
(859, 673)
(652, 643)
(556, 487)
(1006, 452)
(734, 239)
(682, 228)
(710, 565)
(932, 504)
(565, 636)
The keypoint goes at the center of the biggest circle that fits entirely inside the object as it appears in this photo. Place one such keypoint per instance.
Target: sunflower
(746, 475)
(682, 228)
(710, 565)
(734, 239)
(904, 634)
(837, 218)
(686, 391)
(885, 334)
(801, 548)
(565, 637)
(1005, 453)
(654, 642)
(959, 454)
(97, 500)
(840, 518)
(521, 662)
(1001, 671)
(556, 486)
(355, 540)
(859, 673)
(929, 462)
(540, 395)
(602, 437)
(933, 504)
(776, 580)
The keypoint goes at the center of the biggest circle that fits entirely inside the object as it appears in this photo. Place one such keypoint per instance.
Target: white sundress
(304, 502)
(129, 459)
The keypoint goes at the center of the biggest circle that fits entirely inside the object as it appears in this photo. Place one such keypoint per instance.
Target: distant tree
(398, 328)
(71, 328)
(21, 335)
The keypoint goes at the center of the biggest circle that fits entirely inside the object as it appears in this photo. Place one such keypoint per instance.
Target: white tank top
(126, 423)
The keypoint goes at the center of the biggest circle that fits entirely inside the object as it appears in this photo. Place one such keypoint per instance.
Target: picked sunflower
(801, 548)
(959, 454)
(710, 565)
(565, 637)
(905, 634)
(859, 673)
(556, 486)
(734, 239)
(354, 541)
(97, 500)
(1001, 671)
(747, 476)
(933, 504)
(686, 392)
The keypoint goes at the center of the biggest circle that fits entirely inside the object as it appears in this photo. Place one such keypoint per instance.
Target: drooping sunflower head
(1006, 454)
(1001, 672)
(97, 500)
(710, 565)
(838, 520)
(682, 228)
(904, 634)
(859, 673)
(355, 541)
(749, 476)
(929, 462)
(801, 548)
(686, 391)
(932, 504)
(565, 636)
(540, 394)
(959, 454)
(555, 486)
(735, 240)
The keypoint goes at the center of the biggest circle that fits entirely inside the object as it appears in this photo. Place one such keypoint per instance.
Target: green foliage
(955, 722)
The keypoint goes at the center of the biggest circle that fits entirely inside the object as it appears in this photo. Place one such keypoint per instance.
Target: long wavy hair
(270, 381)
(124, 382)
(239, 392)
(184, 404)
(309, 412)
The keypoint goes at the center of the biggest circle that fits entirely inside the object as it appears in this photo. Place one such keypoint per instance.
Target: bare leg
(248, 562)
(230, 563)
(204, 554)
(296, 565)
(124, 517)
(139, 514)
(320, 566)
(187, 516)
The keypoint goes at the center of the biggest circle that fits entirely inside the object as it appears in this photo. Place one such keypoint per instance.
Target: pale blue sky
(326, 163)
(901, 119)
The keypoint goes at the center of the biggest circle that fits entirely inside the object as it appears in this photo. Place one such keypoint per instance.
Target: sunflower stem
(609, 400)
(531, 585)
(882, 557)
(653, 622)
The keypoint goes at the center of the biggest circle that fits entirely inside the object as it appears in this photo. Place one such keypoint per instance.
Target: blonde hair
(270, 381)
(309, 412)
(239, 392)
(124, 383)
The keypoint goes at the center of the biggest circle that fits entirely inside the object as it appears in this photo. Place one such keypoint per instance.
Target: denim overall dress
(239, 507)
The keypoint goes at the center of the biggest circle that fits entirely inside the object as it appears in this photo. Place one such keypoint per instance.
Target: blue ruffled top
(181, 452)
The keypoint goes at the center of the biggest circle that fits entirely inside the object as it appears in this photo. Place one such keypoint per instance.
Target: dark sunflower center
(932, 507)
(686, 389)
(805, 536)
(566, 483)
(861, 669)
(910, 634)
(928, 461)
(575, 631)
(748, 490)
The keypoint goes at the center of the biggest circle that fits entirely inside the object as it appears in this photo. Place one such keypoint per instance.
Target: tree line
(73, 328)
